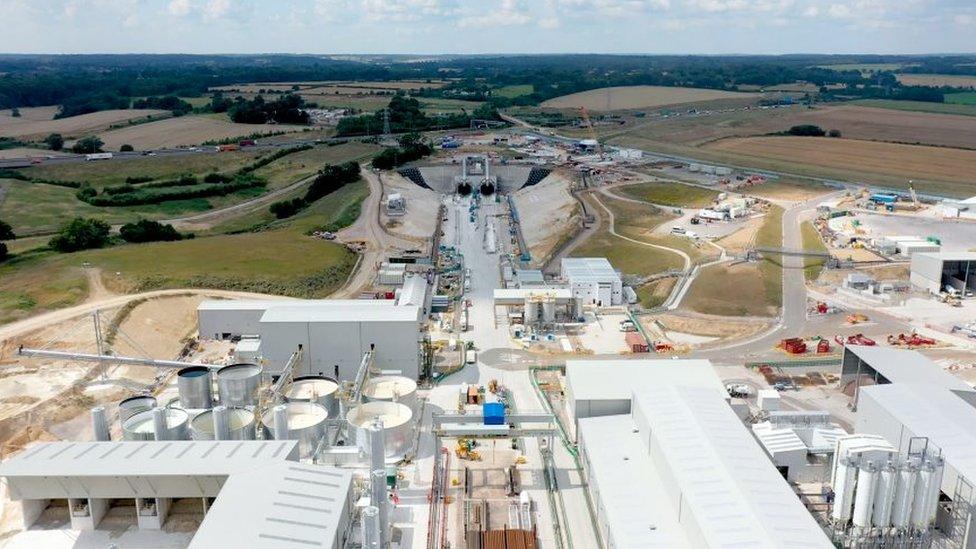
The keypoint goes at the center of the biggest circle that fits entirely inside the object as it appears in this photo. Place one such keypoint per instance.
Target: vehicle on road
(98, 156)
(470, 356)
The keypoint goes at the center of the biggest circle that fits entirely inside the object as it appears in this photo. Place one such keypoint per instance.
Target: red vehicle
(794, 346)
(225, 148)
(856, 339)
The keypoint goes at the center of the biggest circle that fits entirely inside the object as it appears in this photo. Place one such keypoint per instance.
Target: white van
(677, 230)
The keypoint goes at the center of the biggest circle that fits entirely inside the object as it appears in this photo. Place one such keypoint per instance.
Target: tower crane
(591, 132)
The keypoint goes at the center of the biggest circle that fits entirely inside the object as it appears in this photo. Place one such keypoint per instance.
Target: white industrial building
(592, 280)
(334, 334)
(262, 493)
(919, 408)
(682, 470)
(933, 272)
(799, 443)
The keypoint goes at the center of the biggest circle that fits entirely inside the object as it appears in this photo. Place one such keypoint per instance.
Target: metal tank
(531, 314)
(845, 476)
(391, 389)
(549, 311)
(195, 385)
(141, 426)
(901, 506)
(240, 425)
(936, 489)
(133, 405)
(398, 425)
(318, 389)
(923, 491)
(884, 496)
(867, 477)
(305, 421)
(238, 384)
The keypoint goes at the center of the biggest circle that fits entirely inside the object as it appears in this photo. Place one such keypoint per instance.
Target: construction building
(920, 414)
(936, 272)
(680, 469)
(592, 280)
(259, 490)
(333, 334)
(864, 366)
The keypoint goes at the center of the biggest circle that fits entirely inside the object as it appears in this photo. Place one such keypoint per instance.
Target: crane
(591, 132)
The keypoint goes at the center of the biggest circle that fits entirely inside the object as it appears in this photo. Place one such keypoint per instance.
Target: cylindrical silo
(397, 425)
(306, 424)
(549, 311)
(884, 496)
(936, 488)
(195, 385)
(240, 425)
(901, 506)
(391, 389)
(531, 312)
(238, 384)
(100, 430)
(318, 389)
(844, 478)
(141, 425)
(923, 491)
(133, 405)
(867, 477)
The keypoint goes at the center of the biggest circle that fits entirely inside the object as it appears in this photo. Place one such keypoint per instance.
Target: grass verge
(669, 193)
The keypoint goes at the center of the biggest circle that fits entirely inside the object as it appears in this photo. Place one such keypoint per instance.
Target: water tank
(901, 506)
(398, 428)
(240, 422)
(318, 389)
(133, 405)
(306, 424)
(845, 476)
(531, 312)
(140, 426)
(867, 477)
(195, 384)
(392, 389)
(884, 496)
(238, 384)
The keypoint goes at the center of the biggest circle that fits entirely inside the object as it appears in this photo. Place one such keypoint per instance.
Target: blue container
(494, 413)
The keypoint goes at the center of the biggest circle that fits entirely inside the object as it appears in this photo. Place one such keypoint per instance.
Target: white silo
(923, 492)
(901, 506)
(549, 310)
(845, 475)
(867, 477)
(936, 489)
(531, 315)
(884, 496)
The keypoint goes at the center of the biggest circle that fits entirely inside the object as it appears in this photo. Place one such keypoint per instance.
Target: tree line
(330, 178)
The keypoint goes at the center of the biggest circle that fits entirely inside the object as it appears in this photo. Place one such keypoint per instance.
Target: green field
(968, 109)
(865, 67)
(812, 242)
(37, 208)
(671, 194)
(514, 91)
(961, 98)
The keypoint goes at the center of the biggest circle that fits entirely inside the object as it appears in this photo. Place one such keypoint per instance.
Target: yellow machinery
(465, 450)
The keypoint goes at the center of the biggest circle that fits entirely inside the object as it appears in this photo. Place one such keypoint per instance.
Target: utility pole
(99, 343)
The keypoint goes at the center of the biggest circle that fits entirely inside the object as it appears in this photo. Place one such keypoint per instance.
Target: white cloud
(216, 9)
(839, 11)
(179, 8)
(963, 19)
(508, 13)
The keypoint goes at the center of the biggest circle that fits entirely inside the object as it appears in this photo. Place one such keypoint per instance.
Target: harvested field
(787, 189)
(919, 106)
(24, 152)
(712, 325)
(639, 97)
(938, 80)
(185, 131)
(37, 122)
(903, 161)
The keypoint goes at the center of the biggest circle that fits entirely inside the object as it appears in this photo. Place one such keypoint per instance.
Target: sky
(488, 26)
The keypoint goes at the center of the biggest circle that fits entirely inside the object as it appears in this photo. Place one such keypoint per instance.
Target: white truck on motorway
(98, 156)
(470, 356)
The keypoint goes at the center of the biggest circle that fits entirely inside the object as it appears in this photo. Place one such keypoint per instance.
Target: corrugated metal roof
(354, 311)
(145, 458)
(616, 379)
(278, 506)
(950, 256)
(737, 496)
(265, 304)
(588, 268)
(638, 514)
(902, 366)
(516, 295)
(414, 291)
(777, 440)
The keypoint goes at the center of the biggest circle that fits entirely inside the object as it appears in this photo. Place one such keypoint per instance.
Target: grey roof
(355, 311)
(935, 412)
(530, 276)
(280, 505)
(145, 458)
(265, 304)
(903, 366)
(616, 379)
(949, 256)
(414, 291)
(637, 510)
(588, 268)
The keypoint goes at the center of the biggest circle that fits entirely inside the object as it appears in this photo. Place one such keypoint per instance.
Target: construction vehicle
(856, 318)
(823, 346)
(910, 340)
(856, 339)
(793, 345)
(950, 299)
(465, 450)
